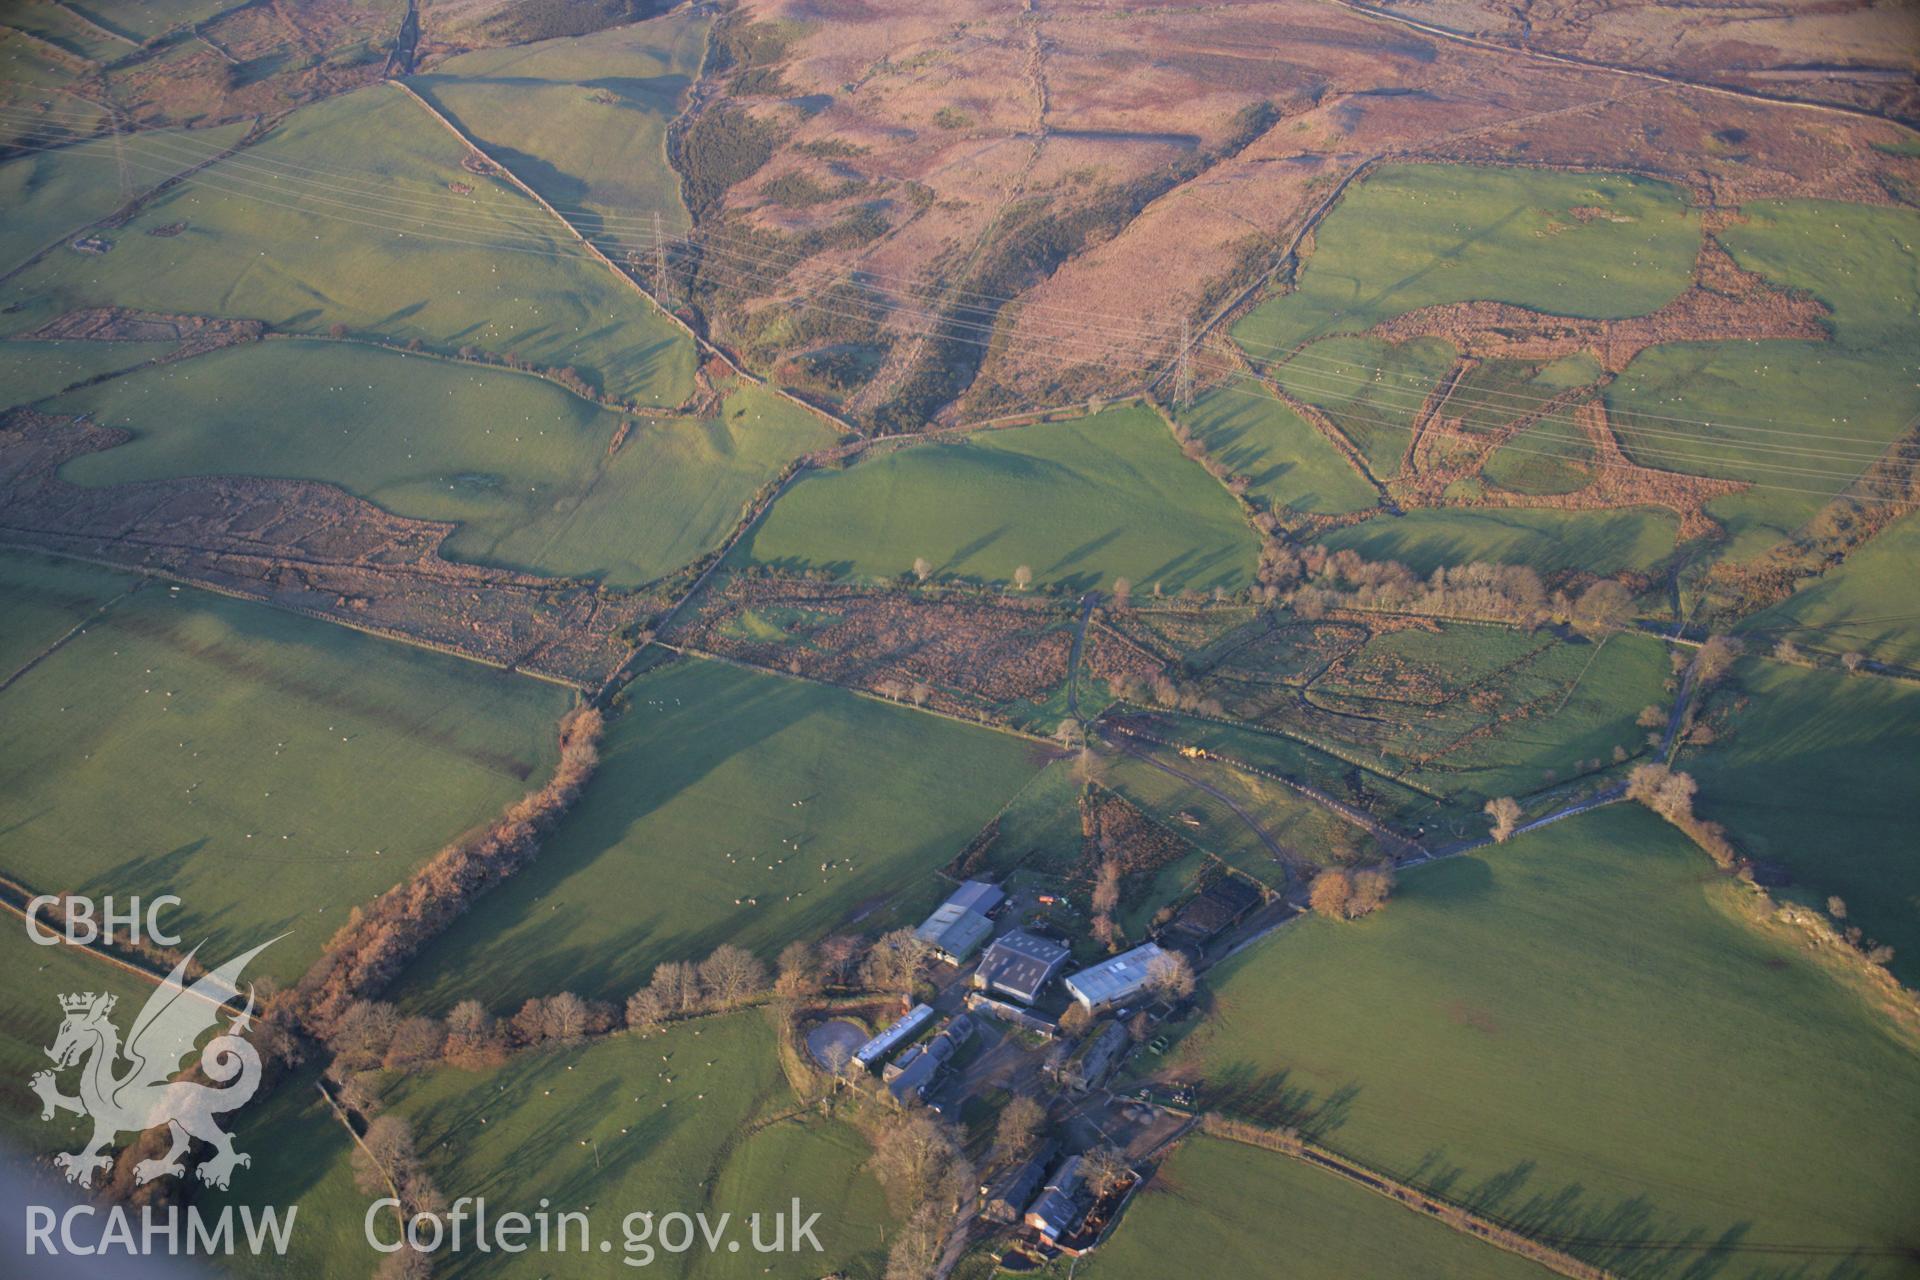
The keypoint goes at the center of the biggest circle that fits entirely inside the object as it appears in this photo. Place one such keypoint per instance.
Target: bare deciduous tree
(799, 971)
(1104, 1168)
(1171, 975)
(416, 1043)
(1330, 892)
(1018, 1129)
(1505, 812)
(732, 974)
(1372, 887)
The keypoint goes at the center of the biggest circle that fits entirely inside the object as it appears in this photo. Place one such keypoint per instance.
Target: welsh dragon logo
(128, 1087)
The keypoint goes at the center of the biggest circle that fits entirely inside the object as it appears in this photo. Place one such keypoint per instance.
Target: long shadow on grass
(1242, 1089)
(517, 943)
(1632, 1236)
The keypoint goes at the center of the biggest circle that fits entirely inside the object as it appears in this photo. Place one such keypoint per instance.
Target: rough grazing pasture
(1591, 245)
(1247, 1204)
(685, 838)
(535, 478)
(271, 770)
(357, 211)
(1080, 503)
(1578, 1033)
(583, 121)
(1820, 771)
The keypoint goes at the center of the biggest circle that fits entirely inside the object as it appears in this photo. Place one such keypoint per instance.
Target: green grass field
(49, 194)
(1799, 419)
(1408, 236)
(679, 844)
(270, 770)
(1603, 542)
(32, 79)
(1578, 1033)
(1371, 389)
(1819, 772)
(1256, 1210)
(1380, 796)
(30, 1019)
(31, 371)
(47, 598)
(601, 1125)
(1081, 503)
(145, 19)
(61, 28)
(347, 214)
(598, 1125)
(583, 121)
(1289, 463)
(522, 466)
(302, 1155)
(1867, 604)
(1309, 833)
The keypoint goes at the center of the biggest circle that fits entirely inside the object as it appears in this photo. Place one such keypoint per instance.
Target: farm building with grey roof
(1021, 964)
(959, 925)
(1113, 981)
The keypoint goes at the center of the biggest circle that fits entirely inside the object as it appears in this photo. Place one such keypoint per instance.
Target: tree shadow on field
(1632, 1236)
(965, 553)
(544, 931)
(1085, 549)
(1241, 1089)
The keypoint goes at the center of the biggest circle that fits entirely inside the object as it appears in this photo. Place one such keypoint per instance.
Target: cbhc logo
(82, 923)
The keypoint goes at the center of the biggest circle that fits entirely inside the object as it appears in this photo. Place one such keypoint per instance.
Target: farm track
(1282, 855)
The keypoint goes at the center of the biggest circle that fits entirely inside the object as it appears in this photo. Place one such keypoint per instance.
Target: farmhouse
(958, 927)
(1094, 1058)
(1112, 981)
(902, 1030)
(1225, 903)
(914, 1072)
(1021, 964)
(1058, 1208)
(1005, 1199)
